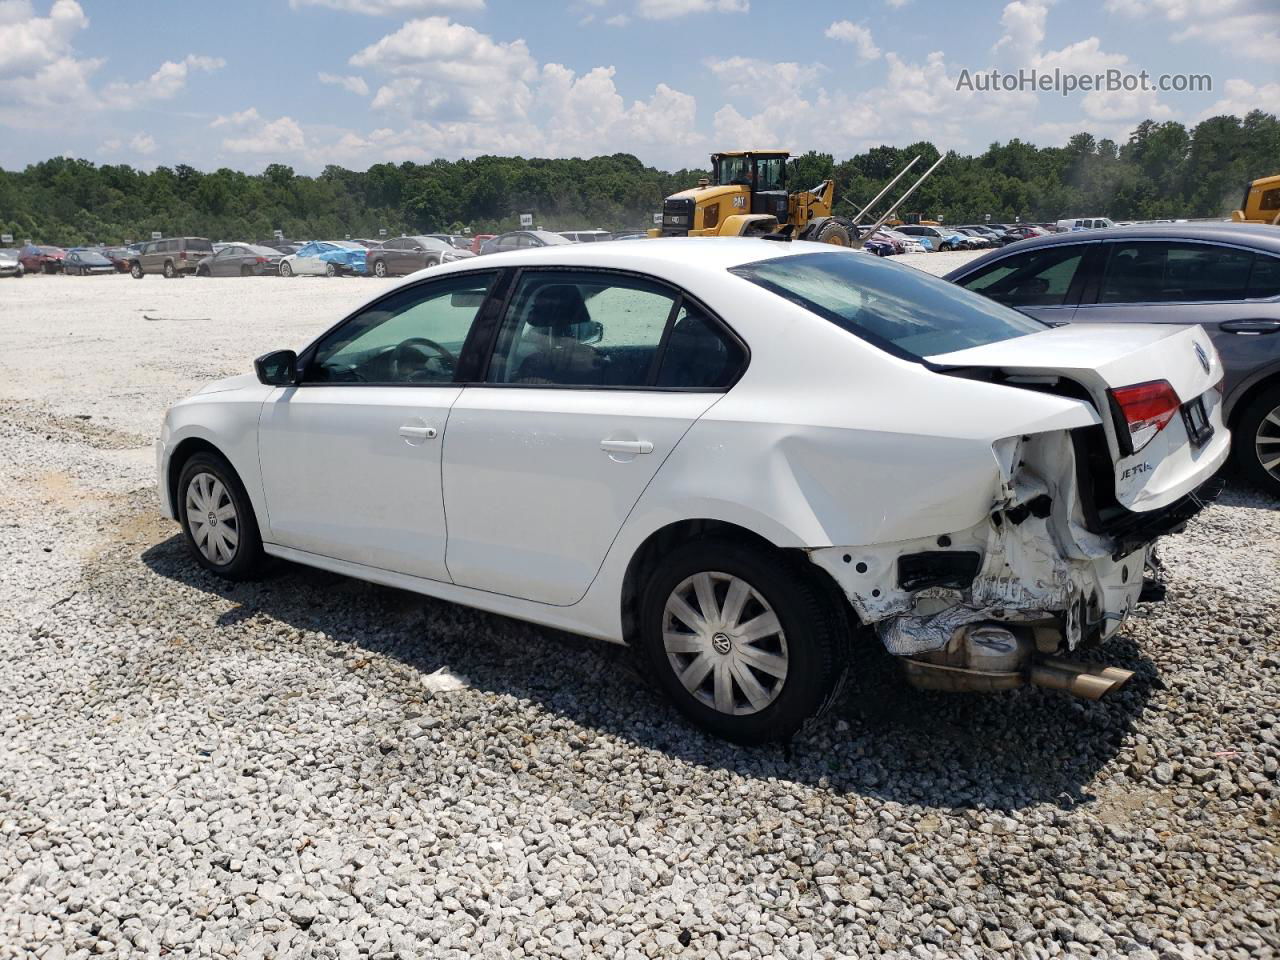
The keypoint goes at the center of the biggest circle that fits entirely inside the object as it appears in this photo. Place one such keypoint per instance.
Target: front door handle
(626, 446)
(1253, 327)
(411, 432)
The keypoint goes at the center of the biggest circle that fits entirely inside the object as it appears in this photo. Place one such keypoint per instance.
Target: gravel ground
(278, 769)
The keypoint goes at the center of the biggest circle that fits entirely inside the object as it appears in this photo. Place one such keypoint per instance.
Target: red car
(42, 259)
(478, 240)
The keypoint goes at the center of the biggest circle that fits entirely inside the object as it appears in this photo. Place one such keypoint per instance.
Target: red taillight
(261, 260)
(1147, 409)
(182, 254)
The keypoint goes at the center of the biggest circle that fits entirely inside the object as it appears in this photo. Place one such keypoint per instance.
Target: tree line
(1163, 170)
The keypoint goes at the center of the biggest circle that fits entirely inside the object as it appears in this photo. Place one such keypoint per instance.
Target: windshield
(733, 170)
(433, 243)
(900, 309)
(549, 238)
(92, 256)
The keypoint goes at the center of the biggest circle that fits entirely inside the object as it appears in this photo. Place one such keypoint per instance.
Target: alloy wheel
(1267, 443)
(212, 518)
(725, 643)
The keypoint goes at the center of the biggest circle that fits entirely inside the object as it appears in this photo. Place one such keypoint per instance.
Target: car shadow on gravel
(884, 739)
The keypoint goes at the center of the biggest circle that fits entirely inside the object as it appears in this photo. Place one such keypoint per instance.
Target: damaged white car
(732, 454)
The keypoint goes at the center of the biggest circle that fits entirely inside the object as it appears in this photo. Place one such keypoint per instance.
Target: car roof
(1260, 235)
(710, 252)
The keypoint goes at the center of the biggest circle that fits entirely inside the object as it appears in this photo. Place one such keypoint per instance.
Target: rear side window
(900, 309)
(583, 328)
(1159, 272)
(1264, 282)
(1036, 278)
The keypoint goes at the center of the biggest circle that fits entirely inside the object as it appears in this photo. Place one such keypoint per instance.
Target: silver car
(10, 265)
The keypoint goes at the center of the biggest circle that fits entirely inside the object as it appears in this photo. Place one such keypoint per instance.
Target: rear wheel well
(178, 459)
(1245, 399)
(663, 541)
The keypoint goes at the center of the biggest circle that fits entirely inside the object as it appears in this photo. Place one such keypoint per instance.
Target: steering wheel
(417, 345)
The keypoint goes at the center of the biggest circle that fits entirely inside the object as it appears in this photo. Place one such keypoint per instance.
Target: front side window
(413, 336)
(1037, 278)
(900, 309)
(1159, 272)
(733, 170)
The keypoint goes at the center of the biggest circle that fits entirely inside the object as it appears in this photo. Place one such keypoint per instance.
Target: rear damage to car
(1066, 551)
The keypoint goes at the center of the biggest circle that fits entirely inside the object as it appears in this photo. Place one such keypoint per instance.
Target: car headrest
(557, 306)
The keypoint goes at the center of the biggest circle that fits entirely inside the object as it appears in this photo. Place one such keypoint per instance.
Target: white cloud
(1023, 22)
(143, 143)
(762, 80)
(1241, 96)
(670, 9)
(1248, 28)
(354, 85)
(169, 80)
(618, 20)
(29, 43)
(440, 68)
(391, 8)
(256, 134)
(857, 35)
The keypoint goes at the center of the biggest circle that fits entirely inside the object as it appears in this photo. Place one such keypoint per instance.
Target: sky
(245, 83)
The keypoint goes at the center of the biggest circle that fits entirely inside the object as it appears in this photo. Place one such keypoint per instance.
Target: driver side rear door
(351, 455)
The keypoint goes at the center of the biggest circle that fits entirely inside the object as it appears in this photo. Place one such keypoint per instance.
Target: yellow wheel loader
(747, 196)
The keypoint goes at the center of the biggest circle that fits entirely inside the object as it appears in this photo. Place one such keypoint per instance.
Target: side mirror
(277, 369)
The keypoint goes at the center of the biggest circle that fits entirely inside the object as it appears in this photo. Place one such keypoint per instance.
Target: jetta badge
(1204, 357)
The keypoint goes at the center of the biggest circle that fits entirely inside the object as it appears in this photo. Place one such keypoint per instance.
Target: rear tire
(1256, 441)
(169, 270)
(380, 268)
(217, 518)
(246, 271)
(330, 270)
(748, 684)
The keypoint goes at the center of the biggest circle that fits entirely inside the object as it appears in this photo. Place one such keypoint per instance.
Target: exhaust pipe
(1079, 679)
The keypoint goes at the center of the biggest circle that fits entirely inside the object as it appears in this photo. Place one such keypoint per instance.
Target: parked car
(908, 244)
(1223, 276)
(39, 259)
(1084, 223)
(80, 262)
(521, 240)
(10, 264)
(119, 257)
(455, 240)
(402, 256)
(1024, 231)
(880, 245)
(171, 258)
(240, 260)
(283, 247)
(329, 258)
(479, 240)
(940, 238)
(724, 452)
(586, 236)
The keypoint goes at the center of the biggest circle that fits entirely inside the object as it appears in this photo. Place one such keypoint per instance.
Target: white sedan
(735, 454)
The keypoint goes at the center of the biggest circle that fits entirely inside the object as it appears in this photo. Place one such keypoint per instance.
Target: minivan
(172, 258)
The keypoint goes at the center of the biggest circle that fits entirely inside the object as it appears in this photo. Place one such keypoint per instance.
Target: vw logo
(1203, 357)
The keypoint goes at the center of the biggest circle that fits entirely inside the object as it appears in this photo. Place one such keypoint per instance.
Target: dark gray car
(241, 260)
(402, 256)
(1223, 276)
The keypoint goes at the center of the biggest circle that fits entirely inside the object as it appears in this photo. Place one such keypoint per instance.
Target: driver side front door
(351, 455)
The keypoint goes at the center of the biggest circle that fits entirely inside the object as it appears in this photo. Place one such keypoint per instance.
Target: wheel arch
(184, 451)
(648, 555)
(1240, 401)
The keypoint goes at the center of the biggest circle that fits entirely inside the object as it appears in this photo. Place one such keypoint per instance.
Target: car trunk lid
(1152, 386)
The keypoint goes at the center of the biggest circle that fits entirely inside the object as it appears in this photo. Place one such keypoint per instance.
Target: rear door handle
(1254, 327)
(626, 446)
(410, 432)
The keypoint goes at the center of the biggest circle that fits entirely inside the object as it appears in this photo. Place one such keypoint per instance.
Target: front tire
(135, 271)
(1256, 441)
(217, 518)
(833, 232)
(743, 640)
(286, 270)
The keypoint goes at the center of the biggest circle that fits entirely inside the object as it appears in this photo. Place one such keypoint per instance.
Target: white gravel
(284, 769)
